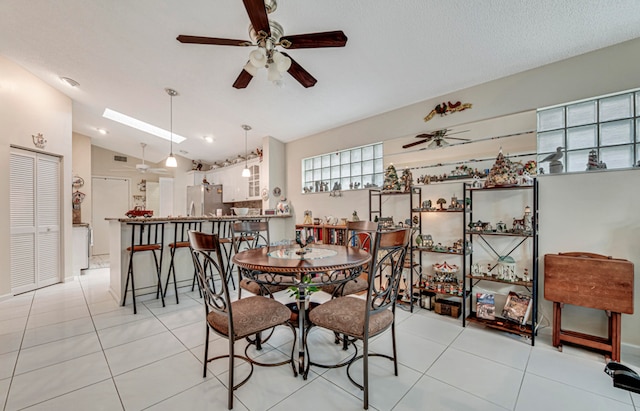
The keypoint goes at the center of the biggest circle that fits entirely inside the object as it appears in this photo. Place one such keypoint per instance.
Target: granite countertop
(203, 218)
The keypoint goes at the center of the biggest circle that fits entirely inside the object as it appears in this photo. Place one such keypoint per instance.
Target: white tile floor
(71, 347)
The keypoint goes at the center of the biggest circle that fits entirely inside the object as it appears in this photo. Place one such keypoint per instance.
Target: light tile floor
(71, 347)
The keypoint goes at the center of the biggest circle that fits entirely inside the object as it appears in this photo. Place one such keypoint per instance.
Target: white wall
(82, 167)
(603, 200)
(28, 106)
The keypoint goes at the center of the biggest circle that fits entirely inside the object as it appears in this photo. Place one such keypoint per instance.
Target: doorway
(110, 199)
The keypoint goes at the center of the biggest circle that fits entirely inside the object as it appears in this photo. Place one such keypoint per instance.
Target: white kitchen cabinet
(194, 177)
(234, 186)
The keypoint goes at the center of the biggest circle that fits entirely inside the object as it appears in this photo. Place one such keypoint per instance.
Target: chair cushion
(179, 244)
(250, 315)
(346, 315)
(254, 288)
(351, 287)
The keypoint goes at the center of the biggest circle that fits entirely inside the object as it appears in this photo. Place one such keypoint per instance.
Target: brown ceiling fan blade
(428, 136)
(243, 80)
(300, 74)
(415, 143)
(212, 40)
(315, 40)
(258, 15)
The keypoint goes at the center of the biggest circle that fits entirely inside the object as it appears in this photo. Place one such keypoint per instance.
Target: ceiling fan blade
(258, 15)
(212, 40)
(300, 74)
(456, 138)
(315, 40)
(426, 135)
(415, 143)
(243, 79)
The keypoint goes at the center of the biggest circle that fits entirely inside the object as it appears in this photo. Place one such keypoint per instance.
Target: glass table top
(310, 253)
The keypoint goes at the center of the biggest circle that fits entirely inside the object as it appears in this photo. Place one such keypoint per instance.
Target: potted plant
(309, 288)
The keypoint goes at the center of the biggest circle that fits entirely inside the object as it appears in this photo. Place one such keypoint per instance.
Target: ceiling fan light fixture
(258, 57)
(251, 69)
(282, 62)
(273, 74)
(171, 160)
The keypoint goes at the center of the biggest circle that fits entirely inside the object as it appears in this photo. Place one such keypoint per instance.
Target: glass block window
(352, 169)
(600, 133)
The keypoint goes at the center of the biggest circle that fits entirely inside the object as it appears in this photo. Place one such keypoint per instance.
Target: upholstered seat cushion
(250, 315)
(254, 288)
(346, 315)
(354, 286)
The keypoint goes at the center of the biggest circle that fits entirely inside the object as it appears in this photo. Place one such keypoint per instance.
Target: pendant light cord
(171, 125)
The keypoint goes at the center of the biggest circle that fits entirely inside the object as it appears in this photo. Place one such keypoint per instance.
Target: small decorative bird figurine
(555, 156)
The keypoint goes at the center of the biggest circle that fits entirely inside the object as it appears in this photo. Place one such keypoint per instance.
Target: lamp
(265, 56)
(171, 160)
(246, 172)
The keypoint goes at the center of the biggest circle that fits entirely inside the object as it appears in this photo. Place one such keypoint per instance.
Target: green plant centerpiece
(303, 291)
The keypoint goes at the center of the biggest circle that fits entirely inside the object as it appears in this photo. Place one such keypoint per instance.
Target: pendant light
(246, 172)
(171, 160)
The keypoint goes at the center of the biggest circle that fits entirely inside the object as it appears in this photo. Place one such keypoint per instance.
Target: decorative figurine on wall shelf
(502, 173)
(391, 182)
(354, 216)
(555, 165)
(593, 163)
(441, 202)
(407, 179)
(308, 219)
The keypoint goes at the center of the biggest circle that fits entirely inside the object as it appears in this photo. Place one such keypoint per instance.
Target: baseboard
(630, 350)
(5, 297)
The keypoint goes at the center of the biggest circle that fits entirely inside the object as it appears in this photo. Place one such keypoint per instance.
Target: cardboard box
(447, 307)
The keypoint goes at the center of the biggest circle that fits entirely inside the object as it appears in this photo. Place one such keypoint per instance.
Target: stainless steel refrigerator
(205, 201)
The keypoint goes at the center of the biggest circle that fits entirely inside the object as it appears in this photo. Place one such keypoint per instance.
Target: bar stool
(181, 240)
(145, 236)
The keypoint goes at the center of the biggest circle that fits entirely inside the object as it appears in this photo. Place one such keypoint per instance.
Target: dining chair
(362, 319)
(360, 234)
(233, 320)
(247, 235)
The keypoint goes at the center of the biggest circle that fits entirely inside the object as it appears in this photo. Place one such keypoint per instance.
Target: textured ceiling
(124, 53)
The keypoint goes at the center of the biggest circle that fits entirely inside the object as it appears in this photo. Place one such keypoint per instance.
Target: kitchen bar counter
(146, 280)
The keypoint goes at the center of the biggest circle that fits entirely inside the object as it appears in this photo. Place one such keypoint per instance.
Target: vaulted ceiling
(124, 54)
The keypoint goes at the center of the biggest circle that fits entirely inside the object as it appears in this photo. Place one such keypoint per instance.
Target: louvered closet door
(35, 220)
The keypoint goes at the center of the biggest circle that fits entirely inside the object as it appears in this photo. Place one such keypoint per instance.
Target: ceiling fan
(267, 35)
(437, 138)
(143, 167)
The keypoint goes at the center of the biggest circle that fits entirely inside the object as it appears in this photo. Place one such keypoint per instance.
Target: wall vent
(120, 158)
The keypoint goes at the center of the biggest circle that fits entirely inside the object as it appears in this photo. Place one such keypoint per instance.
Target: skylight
(141, 125)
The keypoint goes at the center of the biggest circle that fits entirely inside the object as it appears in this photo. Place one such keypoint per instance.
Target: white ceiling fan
(145, 168)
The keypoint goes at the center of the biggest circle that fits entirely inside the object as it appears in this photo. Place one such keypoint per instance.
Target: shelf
(496, 280)
(510, 187)
(498, 234)
(426, 250)
(434, 292)
(503, 325)
(424, 210)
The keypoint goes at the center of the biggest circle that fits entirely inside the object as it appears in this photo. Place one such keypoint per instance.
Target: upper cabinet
(234, 186)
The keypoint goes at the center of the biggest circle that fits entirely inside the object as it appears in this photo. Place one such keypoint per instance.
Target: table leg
(302, 313)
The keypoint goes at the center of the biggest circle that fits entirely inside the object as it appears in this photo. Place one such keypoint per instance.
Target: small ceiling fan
(437, 138)
(267, 35)
(143, 167)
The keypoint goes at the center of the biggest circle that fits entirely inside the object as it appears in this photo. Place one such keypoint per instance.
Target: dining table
(311, 266)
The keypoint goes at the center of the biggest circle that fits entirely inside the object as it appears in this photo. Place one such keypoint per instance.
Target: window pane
(582, 137)
(317, 175)
(583, 113)
(356, 155)
(617, 157)
(308, 176)
(367, 153)
(335, 159)
(345, 157)
(378, 165)
(345, 170)
(335, 172)
(345, 183)
(618, 132)
(325, 161)
(308, 164)
(638, 128)
(577, 160)
(551, 119)
(317, 162)
(549, 141)
(637, 155)
(326, 173)
(638, 103)
(613, 108)
(378, 179)
(356, 169)
(367, 167)
(377, 151)
(367, 180)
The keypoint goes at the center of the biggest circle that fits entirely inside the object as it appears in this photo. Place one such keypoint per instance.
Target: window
(359, 167)
(601, 133)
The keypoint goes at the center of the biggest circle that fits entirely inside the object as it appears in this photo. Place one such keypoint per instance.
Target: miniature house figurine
(527, 225)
